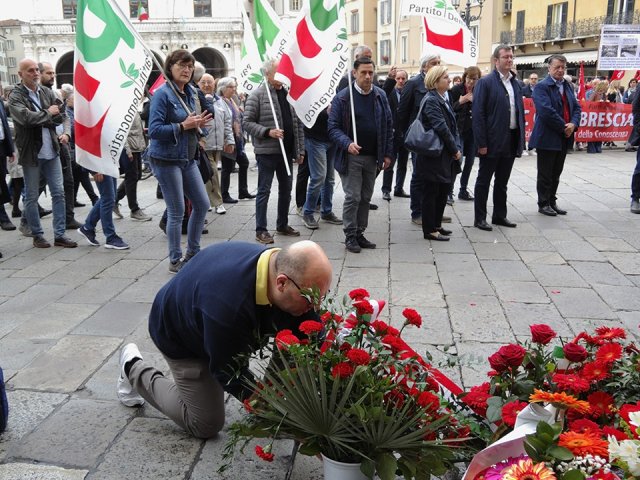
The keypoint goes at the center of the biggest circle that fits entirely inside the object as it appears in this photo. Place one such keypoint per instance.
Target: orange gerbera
(560, 400)
(584, 443)
(527, 470)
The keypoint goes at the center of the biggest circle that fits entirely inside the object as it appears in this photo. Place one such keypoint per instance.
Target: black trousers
(228, 164)
(302, 182)
(500, 167)
(550, 165)
(129, 186)
(67, 181)
(400, 166)
(434, 199)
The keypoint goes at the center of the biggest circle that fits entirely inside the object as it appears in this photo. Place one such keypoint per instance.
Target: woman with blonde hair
(436, 173)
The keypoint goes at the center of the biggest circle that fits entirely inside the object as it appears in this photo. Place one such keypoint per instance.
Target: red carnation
(358, 294)
(511, 410)
(342, 370)
(363, 307)
(284, 338)
(382, 328)
(359, 356)
(325, 317)
(264, 453)
(513, 354)
(394, 342)
(428, 401)
(542, 333)
(498, 363)
(477, 398)
(583, 425)
(574, 352)
(412, 317)
(310, 326)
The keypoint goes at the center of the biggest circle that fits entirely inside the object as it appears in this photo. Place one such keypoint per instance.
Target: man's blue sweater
(208, 311)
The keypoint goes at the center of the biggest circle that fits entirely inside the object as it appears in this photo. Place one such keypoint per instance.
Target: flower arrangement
(589, 384)
(350, 388)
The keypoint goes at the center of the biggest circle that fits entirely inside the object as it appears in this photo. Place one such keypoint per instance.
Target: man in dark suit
(527, 90)
(402, 155)
(410, 100)
(6, 150)
(557, 118)
(498, 127)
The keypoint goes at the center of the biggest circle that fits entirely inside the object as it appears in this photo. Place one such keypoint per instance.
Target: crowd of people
(195, 118)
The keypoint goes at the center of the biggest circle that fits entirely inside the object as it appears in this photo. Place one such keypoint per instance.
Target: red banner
(600, 121)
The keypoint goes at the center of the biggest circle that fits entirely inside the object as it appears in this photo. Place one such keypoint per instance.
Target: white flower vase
(341, 471)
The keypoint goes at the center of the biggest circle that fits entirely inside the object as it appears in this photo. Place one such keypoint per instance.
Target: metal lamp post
(466, 14)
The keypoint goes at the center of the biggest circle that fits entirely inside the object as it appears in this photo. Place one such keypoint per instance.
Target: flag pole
(395, 50)
(275, 119)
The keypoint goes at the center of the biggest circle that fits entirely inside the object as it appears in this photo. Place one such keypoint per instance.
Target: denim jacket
(165, 115)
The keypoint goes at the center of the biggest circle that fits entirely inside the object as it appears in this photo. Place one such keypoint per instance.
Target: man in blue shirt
(221, 307)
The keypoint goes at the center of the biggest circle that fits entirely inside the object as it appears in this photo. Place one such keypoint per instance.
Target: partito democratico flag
(315, 59)
(110, 72)
(445, 32)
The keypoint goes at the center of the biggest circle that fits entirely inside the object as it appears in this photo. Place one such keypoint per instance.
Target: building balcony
(588, 27)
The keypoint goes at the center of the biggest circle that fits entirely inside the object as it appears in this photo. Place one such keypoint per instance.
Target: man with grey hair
(260, 123)
(557, 119)
(408, 105)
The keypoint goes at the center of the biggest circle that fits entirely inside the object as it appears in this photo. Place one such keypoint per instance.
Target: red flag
(617, 75)
(637, 75)
(157, 84)
(581, 86)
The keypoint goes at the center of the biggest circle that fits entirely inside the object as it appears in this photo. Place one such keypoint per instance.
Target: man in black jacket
(402, 154)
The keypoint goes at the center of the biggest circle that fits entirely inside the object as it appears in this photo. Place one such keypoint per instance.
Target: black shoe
(386, 196)
(465, 195)
(94, 200)
(401, 194)
(16, 213)
(43, 212)
(351, 244)
(163, 225)
(450, 200)
(558, 210)
(7, 226)
(245, 196)
(288, 231)
(439, 237)
(504, 222)
(373, 206)
(78, 204)
(364, 243)
(229, 200)
(444, 231)
(547, 210)
(483, 225)
(73, 224)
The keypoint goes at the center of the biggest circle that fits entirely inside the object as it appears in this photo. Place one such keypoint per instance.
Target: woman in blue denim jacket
(173, 148)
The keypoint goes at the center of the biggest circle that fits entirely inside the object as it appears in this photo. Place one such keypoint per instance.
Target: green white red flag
(142, 12)
(250, 75)
(315, 58)
(270, 36)
(445, 32)
(111, 69)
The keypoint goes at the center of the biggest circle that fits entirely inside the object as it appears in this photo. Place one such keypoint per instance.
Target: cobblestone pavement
(64, 313)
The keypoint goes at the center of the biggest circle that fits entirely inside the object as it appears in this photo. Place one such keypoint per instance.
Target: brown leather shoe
(40, 242)
(289, 231)
(64, 242)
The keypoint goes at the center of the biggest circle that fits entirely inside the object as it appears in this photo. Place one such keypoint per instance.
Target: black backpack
(4, 405)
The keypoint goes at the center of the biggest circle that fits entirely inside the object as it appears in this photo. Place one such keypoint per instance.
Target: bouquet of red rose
(354, 391)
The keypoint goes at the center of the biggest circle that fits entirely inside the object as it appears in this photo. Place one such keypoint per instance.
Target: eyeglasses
(185, 66)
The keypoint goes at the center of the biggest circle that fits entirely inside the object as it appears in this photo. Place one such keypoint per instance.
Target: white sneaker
(220, 210)
(125, 391)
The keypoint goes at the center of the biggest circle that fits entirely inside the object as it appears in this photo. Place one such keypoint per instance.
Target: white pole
(275, 118)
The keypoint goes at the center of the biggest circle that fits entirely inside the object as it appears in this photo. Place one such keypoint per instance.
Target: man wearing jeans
(36, 114)
(320, 158)
(358, 162)
(260, 123)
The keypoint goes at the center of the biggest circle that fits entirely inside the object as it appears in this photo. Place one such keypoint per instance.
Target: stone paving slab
(64, 313)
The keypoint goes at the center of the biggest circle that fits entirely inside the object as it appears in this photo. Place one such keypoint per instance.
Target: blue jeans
(177, 180)
(320, 160)
(268, 165)
(102, 211)
(52, 171)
